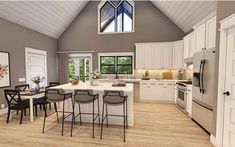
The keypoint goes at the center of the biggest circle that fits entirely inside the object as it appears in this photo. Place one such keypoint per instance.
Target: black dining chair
(25, 87)
(54, 96)
(15, 102)
(86, 96)
(114, 98)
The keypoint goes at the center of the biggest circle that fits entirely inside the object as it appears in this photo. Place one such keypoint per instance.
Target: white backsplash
(157, 74)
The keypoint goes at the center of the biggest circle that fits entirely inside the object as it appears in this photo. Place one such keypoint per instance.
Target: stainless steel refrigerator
(203, 88)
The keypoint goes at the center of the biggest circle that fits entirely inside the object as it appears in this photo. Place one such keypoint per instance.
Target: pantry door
(229, 92)
(36, 65)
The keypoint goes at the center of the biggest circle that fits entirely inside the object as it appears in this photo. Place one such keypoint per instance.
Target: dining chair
(114, 98)
(15, 102)
(25, 87)
(54, 96)
(41, 101)
(86, 96)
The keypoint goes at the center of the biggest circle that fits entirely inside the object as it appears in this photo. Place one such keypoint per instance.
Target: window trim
(101, 4)
(117, 54)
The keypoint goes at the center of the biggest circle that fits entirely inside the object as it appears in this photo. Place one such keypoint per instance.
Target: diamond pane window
(116, 16)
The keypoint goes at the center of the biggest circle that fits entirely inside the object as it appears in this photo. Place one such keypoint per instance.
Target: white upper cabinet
(148, 56)
(164, 55)
(144, 56)
(205, 34)
(154, 55)
(189, 45)
(211, 33)
(139, 57)
(167, 56)
(200, 37)
(157, 57)
(178, 51)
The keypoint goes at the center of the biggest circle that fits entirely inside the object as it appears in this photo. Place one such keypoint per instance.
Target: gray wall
(224, 9)
(151, 25)
(14, 38)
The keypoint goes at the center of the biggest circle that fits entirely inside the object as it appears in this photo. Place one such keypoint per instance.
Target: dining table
(32, 95)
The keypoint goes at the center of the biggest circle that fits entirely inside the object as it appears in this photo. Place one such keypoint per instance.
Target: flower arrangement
(37, 79)
(3, 71)
(95, 75)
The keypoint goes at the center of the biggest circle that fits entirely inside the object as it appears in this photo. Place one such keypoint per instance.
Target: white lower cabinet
(189, 101)
(157, 90)
(147, 90)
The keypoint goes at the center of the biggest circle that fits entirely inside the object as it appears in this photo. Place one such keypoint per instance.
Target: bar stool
(114, 98)
(54, 96)
(86, 96)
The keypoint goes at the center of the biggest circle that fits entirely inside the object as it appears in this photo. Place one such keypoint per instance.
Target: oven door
(181, 97)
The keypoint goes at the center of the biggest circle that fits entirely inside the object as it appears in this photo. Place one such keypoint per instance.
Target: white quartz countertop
(97, 87)
(139, 80)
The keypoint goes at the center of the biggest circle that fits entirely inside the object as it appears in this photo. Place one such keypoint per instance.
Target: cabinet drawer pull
(152, 83)
(161, 84)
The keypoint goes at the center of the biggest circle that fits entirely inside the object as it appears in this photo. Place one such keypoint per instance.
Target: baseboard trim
(213, 140)
(3, 111)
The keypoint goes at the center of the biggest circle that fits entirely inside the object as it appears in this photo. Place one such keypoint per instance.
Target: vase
(37, 86)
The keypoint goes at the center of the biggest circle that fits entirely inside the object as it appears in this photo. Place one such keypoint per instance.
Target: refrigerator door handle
(202, 77)
(199, 82)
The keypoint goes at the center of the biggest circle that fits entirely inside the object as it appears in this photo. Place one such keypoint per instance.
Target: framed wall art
(5, 79)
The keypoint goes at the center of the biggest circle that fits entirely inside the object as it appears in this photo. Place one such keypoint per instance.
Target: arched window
(116, 16)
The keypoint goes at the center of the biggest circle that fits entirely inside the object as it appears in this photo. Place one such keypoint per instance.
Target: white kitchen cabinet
(168, 91)
(211, 33)
(189, 45)
(205, 34)
(189, 101)
(199, 36)
(167, 56)
(147, 90)
(157, 57)
(157, 90)
(144, 57)
(148, 56)
(139, 57)
(165, 91)
(154, 55)
(178, 49)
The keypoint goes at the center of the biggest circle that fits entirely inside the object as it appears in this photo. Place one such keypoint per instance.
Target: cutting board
(167, 75)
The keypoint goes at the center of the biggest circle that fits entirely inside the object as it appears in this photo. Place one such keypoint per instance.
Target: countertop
(139, 80)
(97, 87)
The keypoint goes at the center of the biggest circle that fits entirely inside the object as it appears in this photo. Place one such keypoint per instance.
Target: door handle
(227, 93)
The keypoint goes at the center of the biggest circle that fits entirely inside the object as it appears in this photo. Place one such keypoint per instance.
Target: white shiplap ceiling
(185, 14)
(51, 17)
(47, 17)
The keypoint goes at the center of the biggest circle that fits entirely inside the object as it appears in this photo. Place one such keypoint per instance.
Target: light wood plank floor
(156, 125)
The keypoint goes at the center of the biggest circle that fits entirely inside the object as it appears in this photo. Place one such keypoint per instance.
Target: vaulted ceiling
(185, 14)
(51, 17)
(47, 17)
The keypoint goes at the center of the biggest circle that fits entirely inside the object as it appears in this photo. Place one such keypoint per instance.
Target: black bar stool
(86, 96)
(114, 98)
(54, 96)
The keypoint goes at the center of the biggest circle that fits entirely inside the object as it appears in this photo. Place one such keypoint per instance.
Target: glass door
(80, 67)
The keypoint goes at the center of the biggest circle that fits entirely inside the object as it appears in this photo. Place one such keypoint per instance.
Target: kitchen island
(99, 88)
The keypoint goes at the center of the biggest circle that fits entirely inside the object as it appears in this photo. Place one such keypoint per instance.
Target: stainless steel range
(182, 93)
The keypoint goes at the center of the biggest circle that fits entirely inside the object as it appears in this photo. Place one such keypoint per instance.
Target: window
(116, 64)
(79, 66)
(116, 16)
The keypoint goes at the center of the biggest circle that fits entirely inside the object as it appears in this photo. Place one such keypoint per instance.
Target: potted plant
(37, 80)
(94, 76)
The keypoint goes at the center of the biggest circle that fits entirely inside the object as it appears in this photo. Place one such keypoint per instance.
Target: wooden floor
(156, 125)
